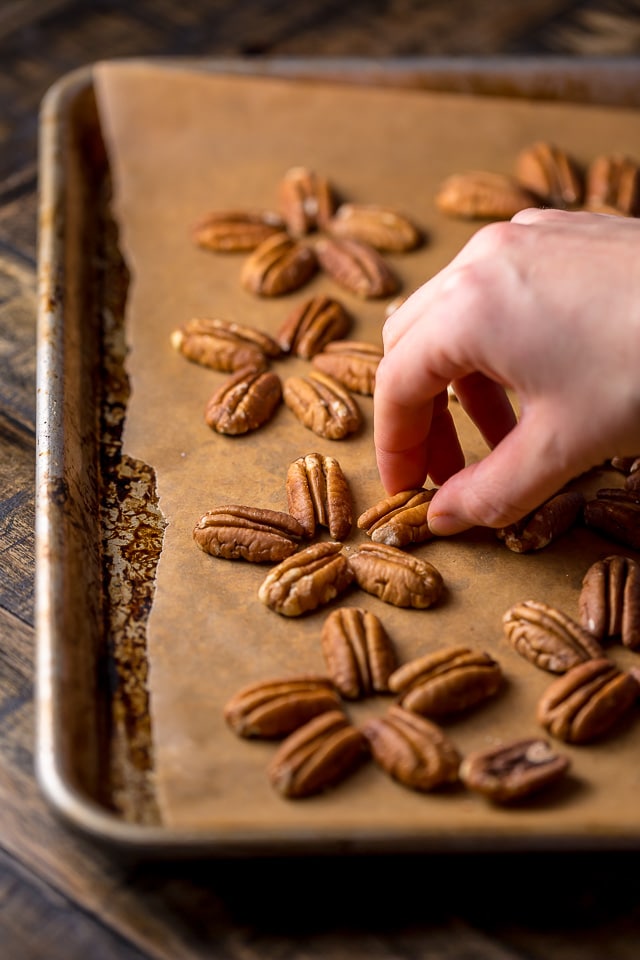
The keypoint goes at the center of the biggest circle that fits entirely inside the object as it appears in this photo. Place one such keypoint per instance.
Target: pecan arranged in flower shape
(317, 755)
(352, 362)
(224, 345)
(307, 200)
(274, 708)
(544, 525)
(400, 519)
(446, 681)
(513, 770)
(311, 325)
(378, 226)
(323, 405)
(358, 652)
(236, 230)
(587, 701)
(307, 580)
(483, 195)
(610, 600)
(236, 532)
(547, 637)
(356, 267)
(277, 266)
(396, 577)
(551, 173)
(411, 749)
(613, 183)
(615, 513)
(318, 495)
(245, 402)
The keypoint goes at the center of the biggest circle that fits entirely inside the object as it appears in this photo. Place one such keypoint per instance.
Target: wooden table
(64, 897)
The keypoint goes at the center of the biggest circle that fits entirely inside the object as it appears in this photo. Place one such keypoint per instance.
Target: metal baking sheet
(96, 750)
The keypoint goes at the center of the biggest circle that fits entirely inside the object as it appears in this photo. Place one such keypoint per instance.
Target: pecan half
(550, 173)
(274, 708)
(317, 756)
(236, 532)
(615, 513)
(224, 345)
(310, 578)
(396, 577)
(318, 494)
(610, 600)
(245, 402)
(587, 701)
(311, 325)
(513, 770)
(614, 182)
(547, 637)
(380, 227)
(483, 195)
(322, 404)
(358, 652)
(447, 681)
(544, 525)
(307, 200)
(231, 231)
(411, 749)
(356, 266)
(277, 266)
(400, 519)
(352, 362)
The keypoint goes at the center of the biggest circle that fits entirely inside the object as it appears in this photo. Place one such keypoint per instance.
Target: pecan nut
(271, 709)
(317, 756)
(307, 200)
(236, 230)
(513, 770)
(245, 402)
(447, 681)
(323, 405)
(483, 195)
(541, 527)
(352, 362)
(609, 600)
(356, 267)
(412, 750)
(236, 532)
(547, 637)
(551, 174)
(380, 227)
(311, 325)
(613, 182)
(400, 519)
(587, 701)
(358, 652)
(224, 345)
(309, 579)
(277, 266)
(615, 513)
(318, 494)
(396, 577)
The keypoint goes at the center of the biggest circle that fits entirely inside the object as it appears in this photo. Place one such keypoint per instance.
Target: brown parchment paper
(182, 142)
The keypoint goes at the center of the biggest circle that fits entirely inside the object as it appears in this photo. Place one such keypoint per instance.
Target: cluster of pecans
(544, 175)
(312, 231)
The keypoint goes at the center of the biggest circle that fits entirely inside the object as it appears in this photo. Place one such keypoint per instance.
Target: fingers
(488, 405)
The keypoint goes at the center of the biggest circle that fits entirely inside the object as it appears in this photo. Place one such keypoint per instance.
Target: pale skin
(546, 305)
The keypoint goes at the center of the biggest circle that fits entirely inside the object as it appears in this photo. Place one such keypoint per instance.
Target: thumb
(527, 467)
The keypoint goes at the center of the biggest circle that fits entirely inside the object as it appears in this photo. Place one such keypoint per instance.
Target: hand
(547, 305)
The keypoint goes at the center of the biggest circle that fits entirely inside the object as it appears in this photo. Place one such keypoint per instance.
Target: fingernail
(446, 524)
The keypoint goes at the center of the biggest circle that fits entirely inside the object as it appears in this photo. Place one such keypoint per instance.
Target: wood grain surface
(64, 897)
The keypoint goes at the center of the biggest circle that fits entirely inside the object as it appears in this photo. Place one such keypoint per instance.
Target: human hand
(546, 305)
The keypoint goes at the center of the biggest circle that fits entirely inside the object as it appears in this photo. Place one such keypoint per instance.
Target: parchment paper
(182, 142)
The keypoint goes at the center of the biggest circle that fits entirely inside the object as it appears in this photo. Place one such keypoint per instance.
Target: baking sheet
(181, 142)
